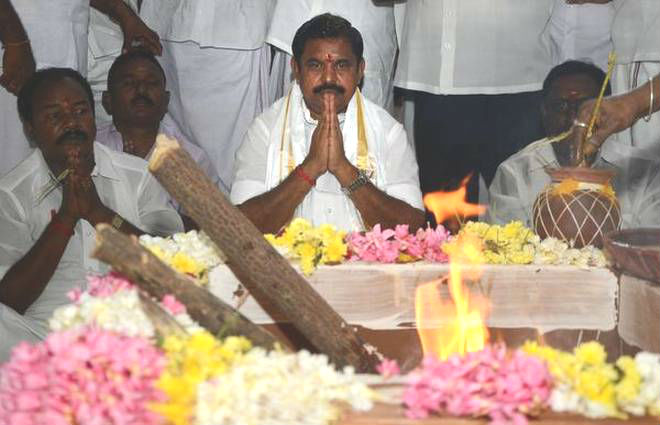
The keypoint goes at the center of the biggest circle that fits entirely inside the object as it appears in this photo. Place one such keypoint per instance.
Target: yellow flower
(192, 360)
(591, 353)
(627, 389)
(185, 264)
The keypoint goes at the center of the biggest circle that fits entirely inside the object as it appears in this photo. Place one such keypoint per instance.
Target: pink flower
(388, 368)
(85, 376)
(385, 246)
(104, 286)
(172, 305)
(493, 382)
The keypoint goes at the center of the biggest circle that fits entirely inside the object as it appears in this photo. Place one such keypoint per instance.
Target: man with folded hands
(47, 228)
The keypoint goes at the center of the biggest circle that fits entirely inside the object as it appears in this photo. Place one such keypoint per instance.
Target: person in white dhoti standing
(105, 42)
(580, 30)
(48, 230)
(475, 69)
(55, 32)
(628, 116)
(324, 152)
(374, 20)
(216, 61)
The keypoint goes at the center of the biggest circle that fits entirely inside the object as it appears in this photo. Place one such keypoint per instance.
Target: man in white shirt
(56, 33)
(522, 177)
(325, 153)
(580, 30)
(217, 65)
(137, 101)
(476, 68)
(47, 229)
(374, 20)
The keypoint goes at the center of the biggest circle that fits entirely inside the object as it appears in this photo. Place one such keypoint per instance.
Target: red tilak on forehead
(328, 58)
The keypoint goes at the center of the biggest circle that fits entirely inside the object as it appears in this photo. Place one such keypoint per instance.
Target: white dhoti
(215, 95)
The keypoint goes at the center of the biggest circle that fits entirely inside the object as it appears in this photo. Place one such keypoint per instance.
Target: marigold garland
(309, 245)
(586, 384)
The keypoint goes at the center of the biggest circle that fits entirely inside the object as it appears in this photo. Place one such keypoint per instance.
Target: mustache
(71, 136)
(333, 87)
(140, 98)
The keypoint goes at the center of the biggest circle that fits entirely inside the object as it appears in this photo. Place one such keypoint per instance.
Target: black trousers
(457, 135)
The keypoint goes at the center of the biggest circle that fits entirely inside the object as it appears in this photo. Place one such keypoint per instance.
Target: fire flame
(445, 205)
(455, 324)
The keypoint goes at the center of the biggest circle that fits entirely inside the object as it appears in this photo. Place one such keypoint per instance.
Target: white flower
(276, 387)
(555, 252)
(196, 245)
(120, 312)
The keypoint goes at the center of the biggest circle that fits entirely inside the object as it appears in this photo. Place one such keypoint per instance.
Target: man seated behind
(137, 100)
(46, 237)
(522, 177)
(324, 152)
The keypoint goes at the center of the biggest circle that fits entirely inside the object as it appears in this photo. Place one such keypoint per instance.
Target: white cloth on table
(580, 32)
(123, 184)
(105, 41)
(521, 178)
(58, 36)
(473, 46)
(636, 35)
(258, 160)
(375, 23)
(217, 65)
(109, 136)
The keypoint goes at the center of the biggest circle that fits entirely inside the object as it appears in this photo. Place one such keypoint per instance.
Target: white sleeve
(156, 214)
(505, 203)
(646, 210)
(251, 164)
(15, 234)
(402, 176)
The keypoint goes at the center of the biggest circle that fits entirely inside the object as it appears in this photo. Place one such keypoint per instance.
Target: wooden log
(265, 273)
(387, 414)
(126, 255)
(164, 324)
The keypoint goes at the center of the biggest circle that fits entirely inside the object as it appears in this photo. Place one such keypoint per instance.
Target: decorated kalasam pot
(579, 206)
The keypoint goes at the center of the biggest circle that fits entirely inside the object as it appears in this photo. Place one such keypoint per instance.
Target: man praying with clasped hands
(324, 152)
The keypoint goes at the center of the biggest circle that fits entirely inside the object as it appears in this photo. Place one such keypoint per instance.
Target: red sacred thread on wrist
(303, 175)
(60, 226)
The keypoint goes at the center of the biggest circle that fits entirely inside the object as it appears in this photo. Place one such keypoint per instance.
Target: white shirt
(635, 34)
(473, 46)
(123, 184)
(375, 23)
(229, 24)
(519, 180)
(109, 136)
(57, 31)
(105, 42)
(580, 32)
(257, 160)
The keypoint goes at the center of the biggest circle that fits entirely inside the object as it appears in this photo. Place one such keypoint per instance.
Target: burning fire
(446, 205)
(455, 324)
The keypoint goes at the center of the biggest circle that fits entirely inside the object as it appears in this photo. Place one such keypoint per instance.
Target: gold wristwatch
(117, 221)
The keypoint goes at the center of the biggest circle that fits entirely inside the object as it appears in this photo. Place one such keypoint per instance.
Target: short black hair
(327, 25)
(574, 67)
(124, 58)
(42, 78)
